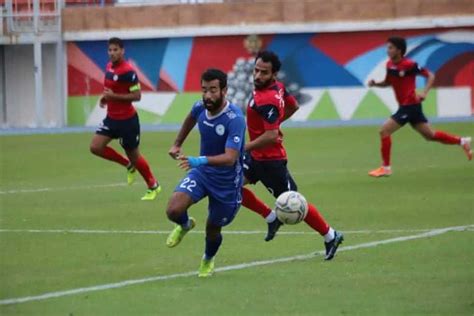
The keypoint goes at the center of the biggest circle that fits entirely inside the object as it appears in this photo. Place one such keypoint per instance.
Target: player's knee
(133, 155)
(173, 211)
(95, 149)
(428, 135)
(383, 132)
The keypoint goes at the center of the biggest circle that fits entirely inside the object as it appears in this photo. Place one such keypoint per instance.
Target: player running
(121, 88)
(401, 74)
(216, 173)
(267, 162)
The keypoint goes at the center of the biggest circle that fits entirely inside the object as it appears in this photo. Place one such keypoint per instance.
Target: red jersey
(265, 112)
(121, 79)
(402, 77)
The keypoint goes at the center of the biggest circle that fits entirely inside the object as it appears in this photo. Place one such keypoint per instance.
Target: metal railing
(162, 2)
(31, 16)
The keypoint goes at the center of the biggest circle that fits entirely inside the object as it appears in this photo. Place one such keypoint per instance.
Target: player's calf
(177, 213)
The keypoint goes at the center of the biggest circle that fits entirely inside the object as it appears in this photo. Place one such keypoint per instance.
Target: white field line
(121, 184)
(79, 187)
(227, 232)
(241, 266)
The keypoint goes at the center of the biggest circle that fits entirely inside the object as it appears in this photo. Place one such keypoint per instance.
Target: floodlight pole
(38, 66)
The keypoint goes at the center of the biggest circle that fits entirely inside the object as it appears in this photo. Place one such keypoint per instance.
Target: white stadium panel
(307, 108)
(454, 102)
(347, 100)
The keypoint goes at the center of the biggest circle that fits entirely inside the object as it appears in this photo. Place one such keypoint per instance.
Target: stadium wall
(17, 102)
(327, 72)
(261, 12)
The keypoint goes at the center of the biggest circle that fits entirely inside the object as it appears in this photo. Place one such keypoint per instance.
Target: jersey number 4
(188, 184)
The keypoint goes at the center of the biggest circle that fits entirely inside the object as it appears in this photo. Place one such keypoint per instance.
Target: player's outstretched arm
(380, 84)
(228, 158)
(186, 128)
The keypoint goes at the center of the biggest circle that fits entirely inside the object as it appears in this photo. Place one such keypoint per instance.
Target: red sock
(446, 138)
(144, 169)
(110, 154)
(385, 149)
(316, 221)
(252, 202)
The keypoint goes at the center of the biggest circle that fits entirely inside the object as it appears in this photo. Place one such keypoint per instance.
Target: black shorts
(127, 131)
(412, 114)
(273, 174)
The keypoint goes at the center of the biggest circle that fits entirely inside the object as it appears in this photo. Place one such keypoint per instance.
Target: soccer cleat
(331, 247)
(151, 194)
(131, 175)
(273, 227)
(381, 172)
(466, 146)
(178, 233)
(206, 269)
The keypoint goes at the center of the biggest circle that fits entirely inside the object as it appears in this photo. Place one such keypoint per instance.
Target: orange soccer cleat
(466, 145)
(381, 172)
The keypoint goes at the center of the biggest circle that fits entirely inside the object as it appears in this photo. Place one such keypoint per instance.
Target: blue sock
(183, 220)
(212, 246)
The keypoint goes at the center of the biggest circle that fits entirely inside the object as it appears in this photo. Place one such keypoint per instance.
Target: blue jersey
(224, 130)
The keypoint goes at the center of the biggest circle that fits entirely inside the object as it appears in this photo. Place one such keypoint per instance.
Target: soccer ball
(291, 207)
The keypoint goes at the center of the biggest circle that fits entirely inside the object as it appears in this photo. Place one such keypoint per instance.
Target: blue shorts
(224, 203)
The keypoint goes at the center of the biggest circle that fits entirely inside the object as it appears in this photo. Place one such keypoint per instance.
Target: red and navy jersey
(402, 77)
(265, 111)
(121, 79)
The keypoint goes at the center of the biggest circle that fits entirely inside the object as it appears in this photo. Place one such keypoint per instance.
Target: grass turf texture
(431, 187)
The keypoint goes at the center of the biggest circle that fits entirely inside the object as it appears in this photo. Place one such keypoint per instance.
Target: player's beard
(262, 84)
(212, 106)
(115, 59)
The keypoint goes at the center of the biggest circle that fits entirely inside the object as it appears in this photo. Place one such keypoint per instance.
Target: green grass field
(89, 231)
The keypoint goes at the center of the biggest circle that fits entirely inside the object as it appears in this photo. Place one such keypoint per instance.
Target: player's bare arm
(228, 158)
(379, 84)
(186, 128)
(429, 84)
(267, 138)
(109, 95)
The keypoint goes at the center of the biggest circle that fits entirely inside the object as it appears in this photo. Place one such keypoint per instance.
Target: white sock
(464, 140)
(329, 236)
(271, 217)
(388, 168)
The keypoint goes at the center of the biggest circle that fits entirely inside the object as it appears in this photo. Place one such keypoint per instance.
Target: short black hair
(116, 41)
(213, 74)
(269, 57)
(398, 42)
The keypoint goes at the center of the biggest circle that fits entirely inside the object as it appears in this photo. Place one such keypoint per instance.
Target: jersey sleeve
(421, 71)
(289, 99)
(269, 111)
(133, 80)
(236, 135)
(196, 110)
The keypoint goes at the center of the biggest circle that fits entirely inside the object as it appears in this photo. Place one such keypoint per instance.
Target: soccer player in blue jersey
(216, 173)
